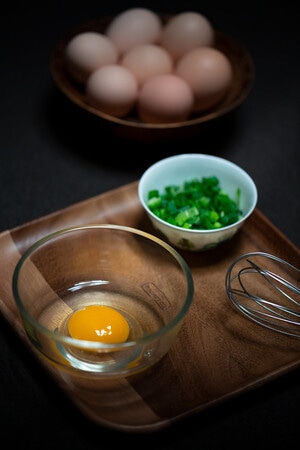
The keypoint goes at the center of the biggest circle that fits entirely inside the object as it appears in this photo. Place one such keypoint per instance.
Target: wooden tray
(218, 353)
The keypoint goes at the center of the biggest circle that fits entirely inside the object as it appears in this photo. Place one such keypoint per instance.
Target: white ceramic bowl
(177, 169)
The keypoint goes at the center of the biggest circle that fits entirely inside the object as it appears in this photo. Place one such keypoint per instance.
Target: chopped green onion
(196, 204)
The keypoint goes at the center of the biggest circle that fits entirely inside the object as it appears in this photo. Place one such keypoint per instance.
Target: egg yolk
(99, 323)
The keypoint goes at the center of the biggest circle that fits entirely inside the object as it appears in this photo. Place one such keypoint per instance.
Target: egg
(98, 323)
(147, 60)
(134, 27)
(209, 73)
(88, 51)
(185, 31)
(165, 98)
(155, 70)
(113, 89)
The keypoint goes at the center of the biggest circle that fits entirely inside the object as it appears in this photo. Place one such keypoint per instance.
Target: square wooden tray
(218, 353)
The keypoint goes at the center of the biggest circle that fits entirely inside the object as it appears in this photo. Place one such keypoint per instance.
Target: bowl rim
(199, 156)
(85, 344)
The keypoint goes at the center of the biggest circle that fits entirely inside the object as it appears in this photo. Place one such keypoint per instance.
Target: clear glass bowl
(134, 273)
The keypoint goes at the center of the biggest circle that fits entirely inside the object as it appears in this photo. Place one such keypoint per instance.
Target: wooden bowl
(131, 126)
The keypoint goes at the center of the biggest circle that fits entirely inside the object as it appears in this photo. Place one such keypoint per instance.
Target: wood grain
(218, 353)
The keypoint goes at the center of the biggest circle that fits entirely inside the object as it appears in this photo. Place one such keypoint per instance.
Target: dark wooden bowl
(131, 125)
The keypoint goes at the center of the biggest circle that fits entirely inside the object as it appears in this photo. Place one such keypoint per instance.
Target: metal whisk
(266, 290)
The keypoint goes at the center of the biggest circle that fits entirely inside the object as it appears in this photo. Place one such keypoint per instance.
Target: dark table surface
(47, 163)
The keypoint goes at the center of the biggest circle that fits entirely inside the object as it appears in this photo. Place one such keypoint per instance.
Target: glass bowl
(102, 300)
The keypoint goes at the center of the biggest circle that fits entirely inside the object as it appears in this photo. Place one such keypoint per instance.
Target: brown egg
(165, 98)
(133, 27)
(147, 60)
(209, 73)
(112, 89)
(88, 51)
(185, 31)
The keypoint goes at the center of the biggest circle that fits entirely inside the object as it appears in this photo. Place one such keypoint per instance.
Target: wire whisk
(266, 290)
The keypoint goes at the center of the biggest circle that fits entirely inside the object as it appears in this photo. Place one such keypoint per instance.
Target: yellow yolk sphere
(99, 323)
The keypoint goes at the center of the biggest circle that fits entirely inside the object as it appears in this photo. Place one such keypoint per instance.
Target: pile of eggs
(162, 72)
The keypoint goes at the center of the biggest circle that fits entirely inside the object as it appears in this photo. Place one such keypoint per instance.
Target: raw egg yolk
(99, 323)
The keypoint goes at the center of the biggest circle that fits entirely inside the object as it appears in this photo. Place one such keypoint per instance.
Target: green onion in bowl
(196, 201)
(199, 204)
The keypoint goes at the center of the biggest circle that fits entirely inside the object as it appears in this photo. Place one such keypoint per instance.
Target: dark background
(47, 163)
